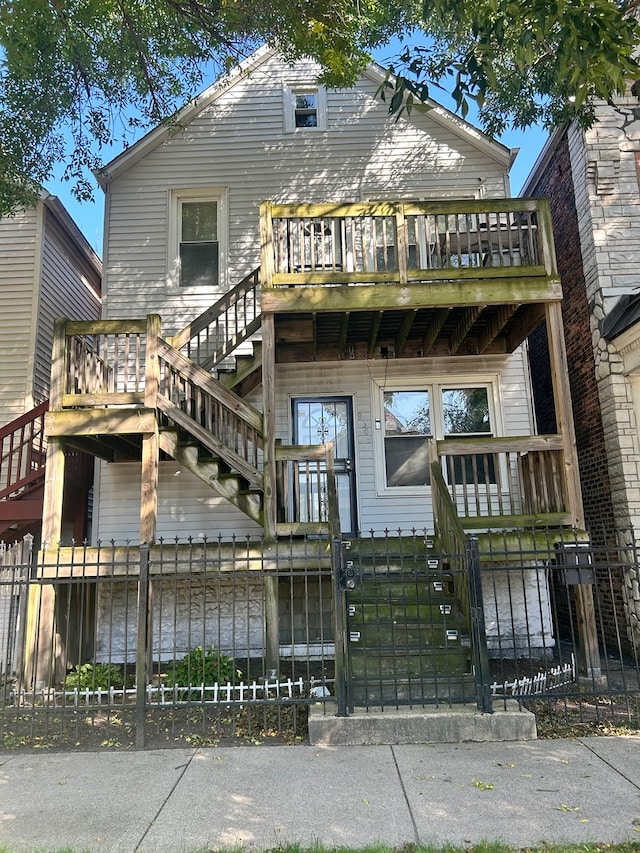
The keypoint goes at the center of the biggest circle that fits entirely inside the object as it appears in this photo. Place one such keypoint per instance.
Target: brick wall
(556, 183)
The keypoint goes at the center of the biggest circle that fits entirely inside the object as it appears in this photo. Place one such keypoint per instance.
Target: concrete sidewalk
(260, 797)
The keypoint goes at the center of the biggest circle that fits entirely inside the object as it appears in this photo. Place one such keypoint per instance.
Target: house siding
(19, 243)
(238, 143)
(186, 507)
(69, 288)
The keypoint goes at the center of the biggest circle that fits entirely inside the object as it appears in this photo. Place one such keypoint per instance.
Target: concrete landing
(455, 724)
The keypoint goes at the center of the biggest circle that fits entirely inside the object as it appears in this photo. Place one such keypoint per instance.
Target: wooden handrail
(220, 420)
(505, 481)
(307, 470)
(22, 452)
(23, 420)
(232, 330)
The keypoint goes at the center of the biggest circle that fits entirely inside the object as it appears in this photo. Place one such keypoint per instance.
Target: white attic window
(305, 108)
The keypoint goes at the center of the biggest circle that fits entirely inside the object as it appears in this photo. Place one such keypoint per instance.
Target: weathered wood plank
(446, 294)
(105, 327)
(503, 444)
(100, 421)
(130, 398)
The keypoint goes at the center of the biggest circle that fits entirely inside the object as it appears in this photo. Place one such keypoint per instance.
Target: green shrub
(199, 667)
(94, 676)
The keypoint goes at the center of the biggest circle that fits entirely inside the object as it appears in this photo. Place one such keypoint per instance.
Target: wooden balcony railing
(216, 333)
(123, 365)
(306, 495)
(505, 482)
(401, 242)
(103, 363)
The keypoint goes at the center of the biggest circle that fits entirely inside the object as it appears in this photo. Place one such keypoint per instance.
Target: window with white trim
(411, 415)
(305, 108)
(196, 247)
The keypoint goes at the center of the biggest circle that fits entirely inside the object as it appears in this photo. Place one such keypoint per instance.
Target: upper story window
(199, 246)
(305, 108)
(196, 247)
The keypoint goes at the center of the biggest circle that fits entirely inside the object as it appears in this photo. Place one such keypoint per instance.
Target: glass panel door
(319, 421)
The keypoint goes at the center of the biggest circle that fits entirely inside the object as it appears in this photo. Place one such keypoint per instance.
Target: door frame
(351, 437)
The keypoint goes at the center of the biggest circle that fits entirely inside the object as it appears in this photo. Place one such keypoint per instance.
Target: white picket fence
(542, 682)
(165, 696)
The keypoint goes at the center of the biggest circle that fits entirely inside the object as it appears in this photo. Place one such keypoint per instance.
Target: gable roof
(191, 110)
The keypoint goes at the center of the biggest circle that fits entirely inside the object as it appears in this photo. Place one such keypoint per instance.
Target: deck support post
(585, 609)
(150, 440)
(43, 644)
(269, 469)
(563, 411)
(271, 614)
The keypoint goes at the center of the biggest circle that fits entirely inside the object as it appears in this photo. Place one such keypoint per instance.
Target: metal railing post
(478, 631)
(142, 643)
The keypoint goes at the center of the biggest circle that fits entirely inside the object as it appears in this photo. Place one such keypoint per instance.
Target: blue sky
(89, 216)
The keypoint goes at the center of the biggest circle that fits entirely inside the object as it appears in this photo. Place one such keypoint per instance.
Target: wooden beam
(53, 492)
(269, 427)
(266, 248)
(115, 398)
(150, 442)
(373, 334)
(463, 328)
(441, 294)
(563, 410)
(106, 327)
(314, 339)
(149, 488)
(403, 332)
(529, 320)
(439, 318)
(495, 325)
(344, 331)
(99, 422)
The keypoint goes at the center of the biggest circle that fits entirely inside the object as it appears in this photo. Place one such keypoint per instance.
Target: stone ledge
(456, 724)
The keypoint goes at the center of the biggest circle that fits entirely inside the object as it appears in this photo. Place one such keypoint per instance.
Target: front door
(319, 420)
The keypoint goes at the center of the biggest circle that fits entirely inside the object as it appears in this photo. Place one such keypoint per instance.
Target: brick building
(591, 179)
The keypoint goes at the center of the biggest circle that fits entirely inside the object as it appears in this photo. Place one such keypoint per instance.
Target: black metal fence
(232, 640)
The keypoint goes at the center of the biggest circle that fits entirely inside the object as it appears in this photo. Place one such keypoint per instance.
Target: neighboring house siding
(557, 183)
(238, 143)
(69, 288)
(19, 246)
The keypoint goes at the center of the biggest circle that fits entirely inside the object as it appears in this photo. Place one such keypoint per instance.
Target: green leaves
(79, 75)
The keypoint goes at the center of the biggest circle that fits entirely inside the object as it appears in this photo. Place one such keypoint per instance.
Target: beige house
(313, 318)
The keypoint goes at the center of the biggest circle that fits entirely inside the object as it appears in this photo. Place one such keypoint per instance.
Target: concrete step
(431, 724)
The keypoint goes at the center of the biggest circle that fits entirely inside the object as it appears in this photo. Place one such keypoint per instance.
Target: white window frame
(434, 386)
(176, 199)
(289, 103)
